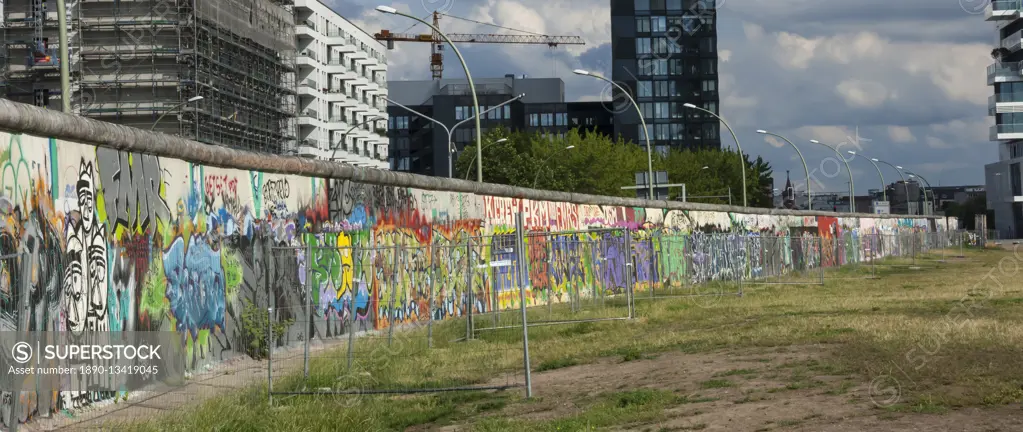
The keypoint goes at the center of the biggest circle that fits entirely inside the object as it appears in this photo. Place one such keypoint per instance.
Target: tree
(596, 164)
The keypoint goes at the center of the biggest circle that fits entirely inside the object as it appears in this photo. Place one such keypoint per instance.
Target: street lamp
(884, 194)
(472, 86)
(927, 203)
(904, 184)
(642, 121)
(450, 131)
(473, 160)
(742, 160)
(809, 195)
(852, 187)
(190, 100)
(374, 118)
(65, 60)
(544, 163)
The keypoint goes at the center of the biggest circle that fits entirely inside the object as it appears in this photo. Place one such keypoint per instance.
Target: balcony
(1013, 41)
(1005, 103)
(999, 10)
(1006, 132)
(1004, 72)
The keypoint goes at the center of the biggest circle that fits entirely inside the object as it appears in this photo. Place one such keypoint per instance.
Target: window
(402, 143)
(534, 120)
(400, 122)
(507, 111)
(463, 112)
(546, 119)
(561, 119)
(708, 66)
(661, 132)
(690, 24)
(654, 67)
(678, 110)
(648, 109)
(711, 106)
(642, 25)
(674, 5)
(642, 5)
(707, 44)
(710, 131)
(661, 110)
(642, 45)
(676, 67)
(1015, 151)
(663, 88)
(639, 132)
(662, 149)
(1014, 176)
(644, 89)
(709, 85)
(678, 131)
(658, 24)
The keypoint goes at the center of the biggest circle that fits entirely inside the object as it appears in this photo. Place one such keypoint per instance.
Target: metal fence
(367, 325)
(569, 277)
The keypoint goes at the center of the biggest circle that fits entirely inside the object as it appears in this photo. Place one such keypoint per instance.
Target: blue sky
(909, 75)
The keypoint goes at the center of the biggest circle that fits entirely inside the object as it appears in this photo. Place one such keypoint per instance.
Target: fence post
(396, 280)
(469, 302)
(352, 318)
(629, 281)
(309, 327)
(433, 278)
(523, 280)
(820, 262)
(269, 356)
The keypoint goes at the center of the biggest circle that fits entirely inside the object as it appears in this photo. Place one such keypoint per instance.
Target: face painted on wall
(86, 195)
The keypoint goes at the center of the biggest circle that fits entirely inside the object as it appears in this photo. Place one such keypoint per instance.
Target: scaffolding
(29, 61)
(133, 61)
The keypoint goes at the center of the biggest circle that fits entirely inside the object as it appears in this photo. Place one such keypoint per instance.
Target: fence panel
(389, 296)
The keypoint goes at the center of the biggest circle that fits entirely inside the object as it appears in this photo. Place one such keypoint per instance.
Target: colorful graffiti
(123, 241)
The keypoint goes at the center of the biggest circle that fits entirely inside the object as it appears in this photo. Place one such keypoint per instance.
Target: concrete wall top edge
(21, 118)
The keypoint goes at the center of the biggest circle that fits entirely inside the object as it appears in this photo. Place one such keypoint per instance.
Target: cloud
(910, 72)
(901, 134)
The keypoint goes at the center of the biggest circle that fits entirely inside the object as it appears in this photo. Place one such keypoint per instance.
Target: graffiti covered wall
(122, 241)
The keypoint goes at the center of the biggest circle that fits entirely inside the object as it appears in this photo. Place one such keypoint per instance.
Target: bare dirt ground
(786, 388)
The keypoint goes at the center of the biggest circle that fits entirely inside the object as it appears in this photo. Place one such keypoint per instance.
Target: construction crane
(434, 38)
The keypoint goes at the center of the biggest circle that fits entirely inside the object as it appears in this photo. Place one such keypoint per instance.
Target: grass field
(919, 347)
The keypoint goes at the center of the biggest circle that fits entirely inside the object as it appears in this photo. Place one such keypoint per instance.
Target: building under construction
(223, 71)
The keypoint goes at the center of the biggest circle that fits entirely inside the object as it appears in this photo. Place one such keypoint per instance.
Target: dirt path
(787, 388)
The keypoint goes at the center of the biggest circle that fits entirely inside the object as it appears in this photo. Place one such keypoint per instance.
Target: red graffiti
(221, 187)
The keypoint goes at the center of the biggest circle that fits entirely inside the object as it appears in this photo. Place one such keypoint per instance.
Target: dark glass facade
(417, 145)
(664, 52)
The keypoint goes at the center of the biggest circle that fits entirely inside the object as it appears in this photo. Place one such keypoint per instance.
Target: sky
(903, 82)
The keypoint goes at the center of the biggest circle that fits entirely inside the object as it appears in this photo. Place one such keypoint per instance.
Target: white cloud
(775, 142)
(900, 134)
(862, 94)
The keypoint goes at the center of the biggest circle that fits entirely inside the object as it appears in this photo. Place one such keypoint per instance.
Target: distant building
(664, 52)
(420, 146)
(1003, 179)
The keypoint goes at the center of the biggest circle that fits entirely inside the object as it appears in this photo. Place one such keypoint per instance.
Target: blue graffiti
(195, 285)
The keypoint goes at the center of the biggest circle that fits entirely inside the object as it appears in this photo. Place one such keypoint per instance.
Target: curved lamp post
(809, 195)
(852, 187)
(884, 194)
(374, 118)
(926, 201)
(190, 100)
(642, 121)
(472, 86)
(904, 184)
(742, 160)
(473, 160)
(544, 163)
(450, 131)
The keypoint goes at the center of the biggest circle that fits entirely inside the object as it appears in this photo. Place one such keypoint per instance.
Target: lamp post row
(65, 96)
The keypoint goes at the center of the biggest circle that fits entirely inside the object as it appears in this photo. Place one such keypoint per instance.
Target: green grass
(908, 324)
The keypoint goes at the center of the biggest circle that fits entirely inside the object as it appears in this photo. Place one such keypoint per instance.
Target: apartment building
(342, 86)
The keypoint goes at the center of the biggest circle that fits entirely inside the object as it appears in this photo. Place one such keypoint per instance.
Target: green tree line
(587, 162)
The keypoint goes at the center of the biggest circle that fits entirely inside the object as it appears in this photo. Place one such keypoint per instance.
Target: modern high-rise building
(1003, 179)
(664, 52)
(342, 75)
(419, 145)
